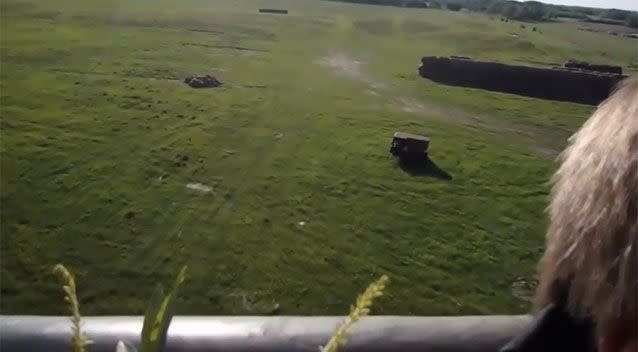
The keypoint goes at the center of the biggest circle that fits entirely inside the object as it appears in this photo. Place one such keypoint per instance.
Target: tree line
(533, 11)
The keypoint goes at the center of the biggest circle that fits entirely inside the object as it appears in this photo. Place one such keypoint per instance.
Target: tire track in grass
(293, 138)
(534, 137)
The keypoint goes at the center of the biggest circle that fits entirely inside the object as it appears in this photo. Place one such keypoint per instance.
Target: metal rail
(261, 334)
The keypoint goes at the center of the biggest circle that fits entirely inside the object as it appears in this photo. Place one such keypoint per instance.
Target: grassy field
(305, 207)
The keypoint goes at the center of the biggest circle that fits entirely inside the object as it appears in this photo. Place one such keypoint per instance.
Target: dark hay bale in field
(207, 81)
(583, 65)
(533, 29)
(561, 84)
(523, 26)
(461, 57)
(278, 11)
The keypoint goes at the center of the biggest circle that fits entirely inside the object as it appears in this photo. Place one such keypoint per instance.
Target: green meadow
(276, 189)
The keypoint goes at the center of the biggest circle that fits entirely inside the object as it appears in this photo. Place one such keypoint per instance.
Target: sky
(606, 4)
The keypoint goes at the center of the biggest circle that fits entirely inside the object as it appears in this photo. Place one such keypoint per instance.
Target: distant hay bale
(583, 65)
(206, 81)
(585, 87)
(279, 11)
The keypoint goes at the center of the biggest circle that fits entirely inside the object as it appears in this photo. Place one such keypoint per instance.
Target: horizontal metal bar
(261, 334)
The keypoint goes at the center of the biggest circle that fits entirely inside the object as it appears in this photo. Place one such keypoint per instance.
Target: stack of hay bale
(586, 66)
(564, 84)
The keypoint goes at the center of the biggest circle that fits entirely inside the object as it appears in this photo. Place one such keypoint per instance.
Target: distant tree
(434, 5)
(568, 14)
(616, 14)
(510, 11)
(454, 6)
(496, 7)
(515, 9)
(485, 4)
(416, 4)
(529, 11)
(477, 5)
(472, 5)
(587, 10)
(632, 20)
(550, 12)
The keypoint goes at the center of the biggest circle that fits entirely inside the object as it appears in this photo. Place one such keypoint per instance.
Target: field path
(351, 68)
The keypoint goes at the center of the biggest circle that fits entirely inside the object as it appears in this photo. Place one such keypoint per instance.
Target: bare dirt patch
(536, 138)
(533, 136)
(345, 66)
(200, 187)
(605, 28)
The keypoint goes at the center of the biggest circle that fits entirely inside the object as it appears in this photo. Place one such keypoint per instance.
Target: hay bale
(206, 81)
(583, 65)
(278, 11)
(583, 87)
(461, 57)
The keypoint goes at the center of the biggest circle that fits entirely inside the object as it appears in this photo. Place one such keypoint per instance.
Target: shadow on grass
(423, 166)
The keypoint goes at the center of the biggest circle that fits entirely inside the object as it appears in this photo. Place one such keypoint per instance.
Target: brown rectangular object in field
(563, 84)
(407, 143)
(583, 65)
(403, 135)
(279, 11)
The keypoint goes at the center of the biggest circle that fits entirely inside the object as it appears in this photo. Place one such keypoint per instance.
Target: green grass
(100, 137)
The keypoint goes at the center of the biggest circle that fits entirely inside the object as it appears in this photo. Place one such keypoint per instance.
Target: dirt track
(348, 67)
(351, 68)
